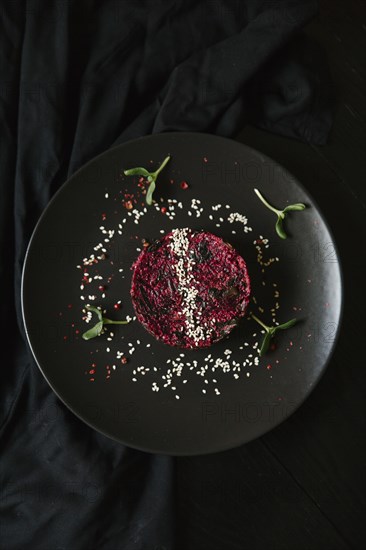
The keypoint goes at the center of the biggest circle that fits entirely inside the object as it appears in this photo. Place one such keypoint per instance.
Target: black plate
(260, 396)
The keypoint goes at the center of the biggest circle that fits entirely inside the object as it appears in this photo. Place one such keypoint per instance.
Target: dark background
(62, 485)
(303, 484)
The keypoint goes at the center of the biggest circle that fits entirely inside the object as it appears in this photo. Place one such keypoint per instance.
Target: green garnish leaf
(150, 176)
(270, 332)
(279, 229)
(137, 172)
(96, 310)
(281, 214)
(298, 206)
(98, 328)
(150, 192)
(284, 326)
(265, 343)
(93, 332)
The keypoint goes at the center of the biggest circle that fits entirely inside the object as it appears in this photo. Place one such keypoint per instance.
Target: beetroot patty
(190, 288)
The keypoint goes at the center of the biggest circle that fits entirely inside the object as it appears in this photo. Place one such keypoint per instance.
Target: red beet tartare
(190, 288)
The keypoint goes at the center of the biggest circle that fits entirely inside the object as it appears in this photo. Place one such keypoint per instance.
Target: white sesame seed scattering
(235, 361)
(179, 244)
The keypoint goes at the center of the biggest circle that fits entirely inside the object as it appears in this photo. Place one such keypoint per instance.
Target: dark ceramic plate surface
(200, 420)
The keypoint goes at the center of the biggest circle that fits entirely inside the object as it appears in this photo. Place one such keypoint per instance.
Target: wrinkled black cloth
(77, 77)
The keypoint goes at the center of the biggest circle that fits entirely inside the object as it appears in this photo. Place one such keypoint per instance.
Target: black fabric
(77, 77)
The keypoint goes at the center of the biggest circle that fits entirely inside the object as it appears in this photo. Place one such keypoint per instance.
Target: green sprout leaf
(98, 328)
(298, 206)
(150, 176)
(270, 332)
(281, 214)
(279, 229)
(137, 172)
(93, 332)
(265, 343)
(149, 193)
(284, 326)
(96, 310)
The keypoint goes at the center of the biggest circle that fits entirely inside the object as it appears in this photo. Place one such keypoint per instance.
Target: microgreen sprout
(97, 329)
(270, 332)
(151, 177)
(281, 214)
